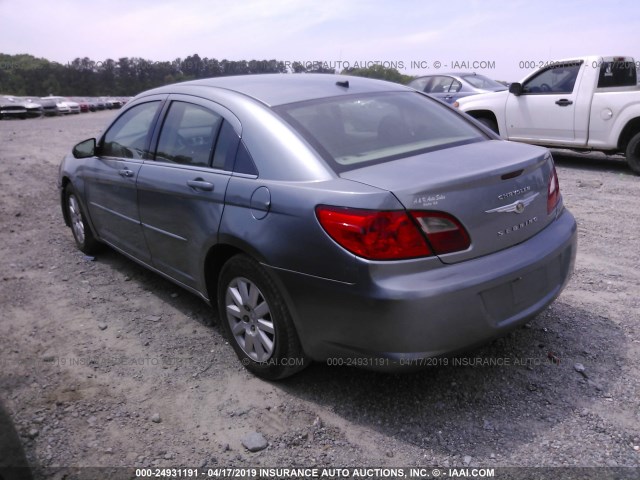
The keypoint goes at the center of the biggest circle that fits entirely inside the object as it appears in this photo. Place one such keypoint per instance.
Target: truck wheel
(633, 153)
(489, 123)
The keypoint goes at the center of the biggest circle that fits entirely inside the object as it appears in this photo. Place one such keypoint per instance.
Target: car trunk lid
(497, 190)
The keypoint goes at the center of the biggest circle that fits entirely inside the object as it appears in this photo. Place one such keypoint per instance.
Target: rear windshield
(353, 131)
(617, 73)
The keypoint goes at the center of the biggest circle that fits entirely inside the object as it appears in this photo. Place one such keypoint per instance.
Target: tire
(633, 153)
(489, 123)
(82, 234)
(256, 320)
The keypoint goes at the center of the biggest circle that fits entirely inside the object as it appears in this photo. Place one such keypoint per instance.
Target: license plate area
(507, 299)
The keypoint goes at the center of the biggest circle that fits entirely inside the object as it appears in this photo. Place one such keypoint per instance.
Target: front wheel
(256, 320)
(82, 234)
(633, 153)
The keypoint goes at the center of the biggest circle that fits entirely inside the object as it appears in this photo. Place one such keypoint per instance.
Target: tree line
(25, 75)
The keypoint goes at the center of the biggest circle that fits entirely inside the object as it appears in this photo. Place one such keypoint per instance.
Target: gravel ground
(104, 364)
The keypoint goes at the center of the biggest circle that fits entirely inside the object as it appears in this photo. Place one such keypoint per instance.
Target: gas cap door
(260, 203)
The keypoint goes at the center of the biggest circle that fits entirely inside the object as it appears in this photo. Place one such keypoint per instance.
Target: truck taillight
(553, 191)
(392, 235)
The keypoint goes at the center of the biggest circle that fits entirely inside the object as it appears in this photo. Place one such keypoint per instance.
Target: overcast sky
(406, 34)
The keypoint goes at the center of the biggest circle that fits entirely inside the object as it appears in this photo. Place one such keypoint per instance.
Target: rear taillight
(392, 235)
(372, 234)
(553, 191)
(445, 233)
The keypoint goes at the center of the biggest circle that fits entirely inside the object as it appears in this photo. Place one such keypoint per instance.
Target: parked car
(61, 107)
(326, 216)
(99, 103)
(33, 107)
(84, 104)
(10, 107)
(64, 105)
(586, 103)
(19, 107)
(74, 107)
(49, 106)
(449, 87)
(112, 103)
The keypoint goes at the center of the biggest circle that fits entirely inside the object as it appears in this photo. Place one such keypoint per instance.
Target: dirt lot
(105, 364)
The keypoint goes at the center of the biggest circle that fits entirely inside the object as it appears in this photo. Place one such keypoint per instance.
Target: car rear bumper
(393, 317)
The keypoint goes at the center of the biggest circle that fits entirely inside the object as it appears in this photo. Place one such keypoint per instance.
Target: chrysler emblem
(515, 207)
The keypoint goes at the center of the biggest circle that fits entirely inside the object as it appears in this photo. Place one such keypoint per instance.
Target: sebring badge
(516, 207)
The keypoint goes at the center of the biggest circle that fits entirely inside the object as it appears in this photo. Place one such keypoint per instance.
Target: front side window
(129, 135)
(351, 131)
(559, 78)
(188, 135)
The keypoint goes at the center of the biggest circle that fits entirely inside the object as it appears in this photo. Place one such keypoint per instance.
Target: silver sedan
(326, 217)
(449, 87)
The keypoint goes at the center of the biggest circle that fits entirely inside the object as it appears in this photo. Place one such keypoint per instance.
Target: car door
(181, 191)
(110, 179)
(545, 111)
(440, 88)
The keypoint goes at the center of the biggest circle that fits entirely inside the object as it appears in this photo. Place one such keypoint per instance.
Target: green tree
(379, 72)
(27, 75)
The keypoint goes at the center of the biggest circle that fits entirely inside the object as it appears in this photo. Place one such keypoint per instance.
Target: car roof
(279, 89)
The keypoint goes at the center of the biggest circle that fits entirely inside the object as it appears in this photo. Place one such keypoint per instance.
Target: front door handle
(200, 184)
(563, 102)
(125, 172)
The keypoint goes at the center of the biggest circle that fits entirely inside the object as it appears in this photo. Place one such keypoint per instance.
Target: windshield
(353, 130)
(480, 81)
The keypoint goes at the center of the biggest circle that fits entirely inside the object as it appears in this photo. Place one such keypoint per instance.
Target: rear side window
(226, 147)
(352, 131)
(244, 162)
(188, 135)
(129, 134)
(617, 73)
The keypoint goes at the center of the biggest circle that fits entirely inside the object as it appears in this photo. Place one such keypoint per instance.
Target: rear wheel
(633, 153)
(256, 320)
(82, 234)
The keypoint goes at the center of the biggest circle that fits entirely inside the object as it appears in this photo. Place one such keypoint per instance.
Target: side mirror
(516, 89)
(85, 149)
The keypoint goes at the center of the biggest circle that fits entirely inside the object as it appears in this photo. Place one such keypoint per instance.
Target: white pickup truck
(588, 103)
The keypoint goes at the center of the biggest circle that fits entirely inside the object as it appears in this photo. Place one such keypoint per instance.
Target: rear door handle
(563, 102)
(125, 172)
(200, 184)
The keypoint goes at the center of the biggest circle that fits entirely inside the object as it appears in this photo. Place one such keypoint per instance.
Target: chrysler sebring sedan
(326, 217)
